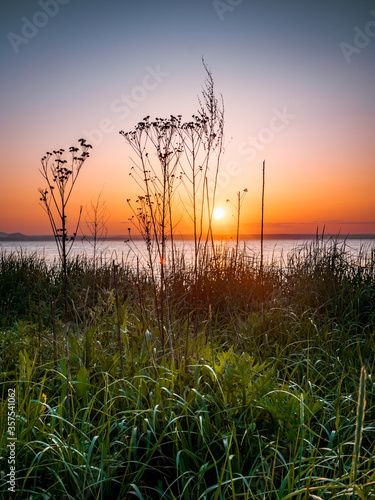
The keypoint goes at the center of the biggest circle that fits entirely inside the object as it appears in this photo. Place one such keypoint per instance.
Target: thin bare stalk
(262, 221)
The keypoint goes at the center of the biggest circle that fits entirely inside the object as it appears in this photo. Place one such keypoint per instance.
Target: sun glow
(218, 213)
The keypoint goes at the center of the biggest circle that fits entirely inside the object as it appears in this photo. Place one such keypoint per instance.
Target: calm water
(274, 250)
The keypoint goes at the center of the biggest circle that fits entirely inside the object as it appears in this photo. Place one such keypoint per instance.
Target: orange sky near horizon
(339, 204)
(291, 97)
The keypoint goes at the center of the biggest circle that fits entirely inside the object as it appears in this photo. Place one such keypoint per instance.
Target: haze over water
(274, 250)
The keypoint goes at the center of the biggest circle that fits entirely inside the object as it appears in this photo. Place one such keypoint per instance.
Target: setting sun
(218, 213)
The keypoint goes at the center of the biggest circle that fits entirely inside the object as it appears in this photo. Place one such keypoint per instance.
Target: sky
(297, 78)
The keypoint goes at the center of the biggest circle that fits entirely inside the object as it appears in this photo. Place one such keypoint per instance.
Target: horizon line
(180, 237)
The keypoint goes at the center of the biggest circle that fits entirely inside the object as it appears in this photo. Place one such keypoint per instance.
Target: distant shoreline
(19, 237)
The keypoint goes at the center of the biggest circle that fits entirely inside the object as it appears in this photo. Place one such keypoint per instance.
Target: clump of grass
(221, 413)
(217, 429)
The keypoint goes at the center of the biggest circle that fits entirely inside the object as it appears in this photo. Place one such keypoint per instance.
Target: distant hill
(24, 237)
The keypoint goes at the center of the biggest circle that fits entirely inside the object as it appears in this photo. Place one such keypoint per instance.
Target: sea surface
(275, 251)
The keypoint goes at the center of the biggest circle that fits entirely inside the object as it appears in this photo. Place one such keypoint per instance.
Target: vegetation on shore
(268, 395)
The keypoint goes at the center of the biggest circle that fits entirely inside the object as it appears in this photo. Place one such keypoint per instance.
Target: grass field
(264, 388)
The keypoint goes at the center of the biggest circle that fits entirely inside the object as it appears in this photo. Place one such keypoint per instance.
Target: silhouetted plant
(61, 177)
(153, 215)
(185, 152)
(262, 218)
(213, 109)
